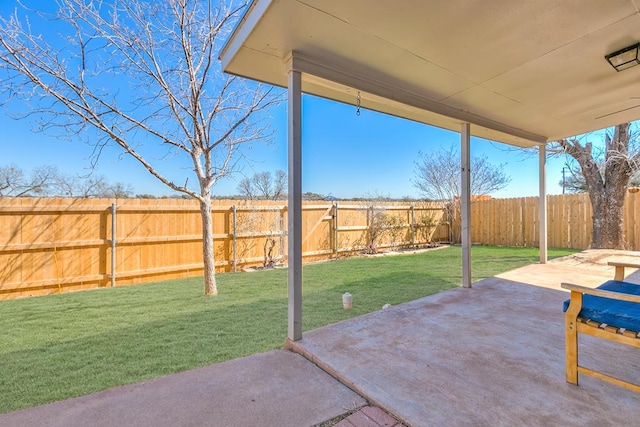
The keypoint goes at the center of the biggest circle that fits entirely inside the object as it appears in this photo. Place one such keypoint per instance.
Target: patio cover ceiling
(521, 72)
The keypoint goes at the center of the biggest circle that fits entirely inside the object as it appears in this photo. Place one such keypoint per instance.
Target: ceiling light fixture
(624, 58)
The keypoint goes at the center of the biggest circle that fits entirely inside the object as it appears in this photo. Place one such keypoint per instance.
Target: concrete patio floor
(488, 356)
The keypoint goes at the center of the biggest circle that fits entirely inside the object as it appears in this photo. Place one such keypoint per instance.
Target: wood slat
(609, 378)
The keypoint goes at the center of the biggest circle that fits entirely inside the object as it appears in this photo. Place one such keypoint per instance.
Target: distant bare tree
(65, 185)
(78, 186)
(280, 185)
(15, 183)
(263, 185)
(118, 190)
(245, 189)
(309, 195)
(437, 177)
(98, 186)
(48, 181)
(140, 74)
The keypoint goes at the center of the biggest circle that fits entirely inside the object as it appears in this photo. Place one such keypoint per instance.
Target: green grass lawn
(59, 346)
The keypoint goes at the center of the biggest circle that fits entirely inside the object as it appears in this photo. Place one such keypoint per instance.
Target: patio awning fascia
(522, 73)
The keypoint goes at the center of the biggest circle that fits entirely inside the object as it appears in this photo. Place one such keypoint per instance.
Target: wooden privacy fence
(55, 245)
(516, 222)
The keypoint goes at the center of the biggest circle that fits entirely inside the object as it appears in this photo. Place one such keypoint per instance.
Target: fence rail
(56, 245)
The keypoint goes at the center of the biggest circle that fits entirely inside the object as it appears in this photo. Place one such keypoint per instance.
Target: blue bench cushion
(621, 314)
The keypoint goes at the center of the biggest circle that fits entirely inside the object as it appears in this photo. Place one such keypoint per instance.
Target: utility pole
(563, 181)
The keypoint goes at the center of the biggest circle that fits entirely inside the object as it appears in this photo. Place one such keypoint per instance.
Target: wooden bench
(611, 311)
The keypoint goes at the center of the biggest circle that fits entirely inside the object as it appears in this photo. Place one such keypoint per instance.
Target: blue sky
(343, 154)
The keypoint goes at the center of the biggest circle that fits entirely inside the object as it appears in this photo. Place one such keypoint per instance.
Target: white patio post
(465, 199)
(294, 220)
(542, 153)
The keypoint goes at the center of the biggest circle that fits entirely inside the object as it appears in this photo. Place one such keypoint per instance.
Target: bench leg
(571, 351)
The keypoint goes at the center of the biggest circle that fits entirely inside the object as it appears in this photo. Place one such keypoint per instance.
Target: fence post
(370, 214)
(113, 245)
(235, 241)
(334, 232)
(281, 232)
(413, 225)
(450, 218)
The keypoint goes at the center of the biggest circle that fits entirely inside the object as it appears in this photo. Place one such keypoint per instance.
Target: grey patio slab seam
(372, 416)
(277, 388)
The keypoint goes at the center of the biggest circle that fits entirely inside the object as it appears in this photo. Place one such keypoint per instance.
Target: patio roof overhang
(522, 73)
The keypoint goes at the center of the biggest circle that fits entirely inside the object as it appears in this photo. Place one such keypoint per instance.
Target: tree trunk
(210, 287)
(608, 211)
(608, 187)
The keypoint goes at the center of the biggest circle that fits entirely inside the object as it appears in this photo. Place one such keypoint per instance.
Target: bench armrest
(620, 266)
(601, 293)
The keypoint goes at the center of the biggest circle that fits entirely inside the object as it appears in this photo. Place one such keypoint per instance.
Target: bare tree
(118, 190)
(140, 74)
(245, 188)
(263, 185)
(65, 185)
(97, 186)
(48, 181)
(437, 177)
(12, 181)
(92, 185)
(382, 224)
(574, 182)
(79, 186)
(606, 174)
(15, 183)
(280, 185)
